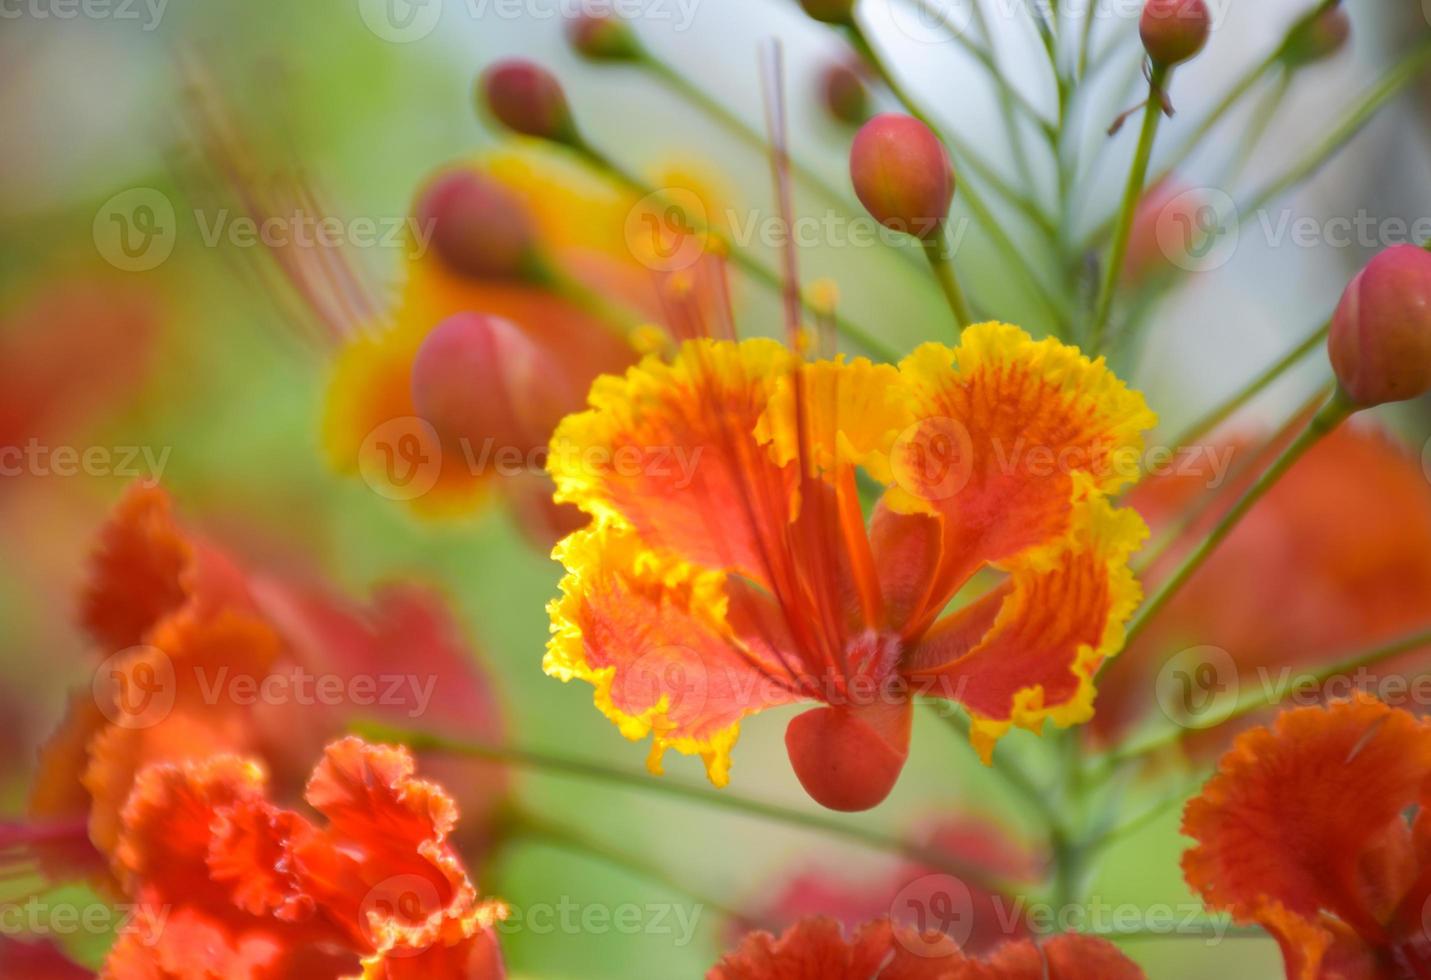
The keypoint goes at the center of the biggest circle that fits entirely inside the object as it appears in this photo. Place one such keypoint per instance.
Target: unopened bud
(844, 92)
(902, 174)
(478, 378)
(478, 227)
(1174, 30)
(603, 37)
(830, 11)
(1319, 38)
(527, 99)
(1380, 343)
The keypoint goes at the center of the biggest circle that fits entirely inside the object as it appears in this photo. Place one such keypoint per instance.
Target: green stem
(1269, 696)
(1333, 413)
(1017, 778)
(1132, 193)
(740, 258)
(1255, 387)
(942, 264)
(723, 799)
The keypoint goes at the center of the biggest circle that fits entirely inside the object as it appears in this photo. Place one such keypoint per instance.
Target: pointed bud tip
(902, 174)
(602, 36)
(830, 11)
(1380, 341)
(527, 99)
(1319, 38)
(844, 93)
(1174, 30)
(477, 227)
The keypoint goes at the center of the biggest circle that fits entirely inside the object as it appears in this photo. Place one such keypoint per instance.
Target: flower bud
(1319, 38)
(830, 11)
(603, 37)
(1174, 30)
(902, 174)
(527, 99)
(480, 378)
(844, 92)
(1380, 343)
(478, 227)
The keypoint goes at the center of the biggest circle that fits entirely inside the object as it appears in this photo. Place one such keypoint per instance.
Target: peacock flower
(730, 567)
(251, 890)
(817, 949)
(191, 639)
(1317, 829)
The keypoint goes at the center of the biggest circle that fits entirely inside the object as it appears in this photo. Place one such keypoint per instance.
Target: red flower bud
(603, 37)
(902, 174)
(480, 377)
(1319, 38)
(1380, 344)
(527, 99)
(830, 11)
(478, 227)
(1174, 30)
(843, 90)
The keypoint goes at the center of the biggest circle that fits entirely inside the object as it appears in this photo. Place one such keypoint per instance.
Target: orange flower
(729, 567)
(815, 949)
(250, 891)
(1341, 548)
(193, 641)
(1318, 829)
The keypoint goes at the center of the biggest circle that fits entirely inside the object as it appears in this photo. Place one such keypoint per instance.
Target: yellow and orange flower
(1319, 830)
(247, 890)
(729, 567)
(817, 949)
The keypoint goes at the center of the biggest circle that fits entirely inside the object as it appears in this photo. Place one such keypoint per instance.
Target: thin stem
(543, 831)
(936, 249)
(1333, 413)
(1255, 387)
(695, 94)
(1132, 193)
(1018, 779)
(738, 256)
(723, 799)
(1398, 77)
(1269, 695)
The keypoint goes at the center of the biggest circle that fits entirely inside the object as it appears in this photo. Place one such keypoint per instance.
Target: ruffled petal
(671, 450)
(652, 634)
(818, 949)
(1066, 607)
(1064, 957)
(1343, 777)
(1006, 432)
